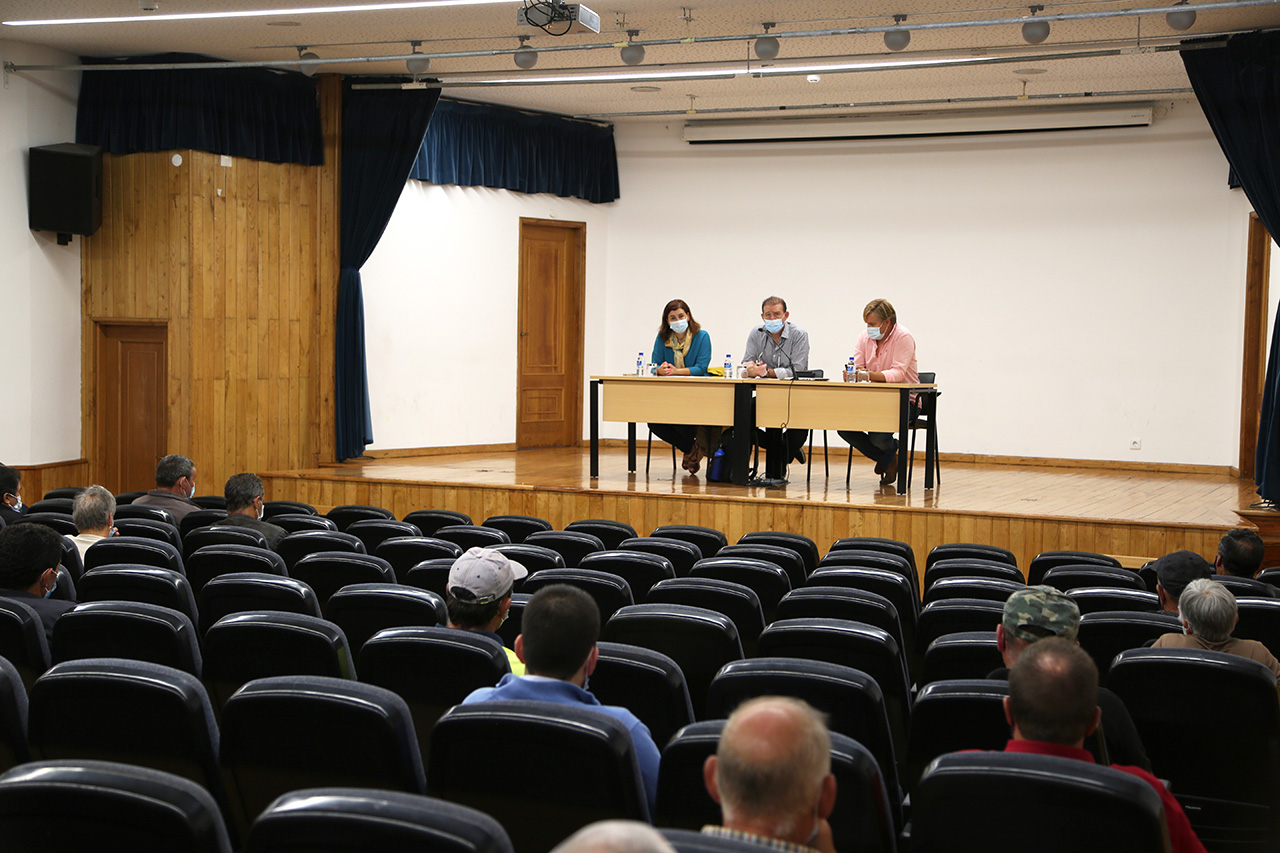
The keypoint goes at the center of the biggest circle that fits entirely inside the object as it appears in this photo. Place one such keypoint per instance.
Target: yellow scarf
(678, 349)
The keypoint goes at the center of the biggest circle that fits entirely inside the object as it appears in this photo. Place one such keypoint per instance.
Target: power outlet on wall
(1135, 444)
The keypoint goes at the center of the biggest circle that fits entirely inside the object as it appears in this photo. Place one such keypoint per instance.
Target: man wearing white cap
(478, 594)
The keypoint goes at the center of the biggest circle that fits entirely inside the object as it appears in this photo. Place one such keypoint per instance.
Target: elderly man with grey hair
(771, 775)
(1209, 614)
(615, 836)
(94, 513)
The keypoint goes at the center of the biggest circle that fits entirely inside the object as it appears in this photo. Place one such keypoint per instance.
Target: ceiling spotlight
(1182, 19)
(632, 54)
(303, 53)
(417, 64)
(525, 56)
(1035, 32)
(153, 6)
(897, 39)
(767, 46)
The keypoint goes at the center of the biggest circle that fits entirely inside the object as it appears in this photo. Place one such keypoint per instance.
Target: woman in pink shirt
(885, 352)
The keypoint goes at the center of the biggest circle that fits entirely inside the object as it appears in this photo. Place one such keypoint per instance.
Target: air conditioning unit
(899, 125)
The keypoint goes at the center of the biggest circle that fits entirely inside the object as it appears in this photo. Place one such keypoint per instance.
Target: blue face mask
(773, 326)
(49, 592)
(873, 332)
(679, 326)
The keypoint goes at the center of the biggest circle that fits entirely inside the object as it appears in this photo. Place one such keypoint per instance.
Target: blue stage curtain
(477, 145)
(257, 113)
(382, 130)
(1238, 86)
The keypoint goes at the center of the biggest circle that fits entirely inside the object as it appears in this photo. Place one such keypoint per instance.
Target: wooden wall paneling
(322, 427)
(38, 479)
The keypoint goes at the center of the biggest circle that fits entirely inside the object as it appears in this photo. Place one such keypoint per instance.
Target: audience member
(1173, 573)
(771, 775)
(561, 624)
(1209, 614)
(1239, 553)
(1036, 612)
(29, 557)
(175, 486)
(776, 349)
(245, 498)
(1052, 706)
(615, 836)
(11, 507)
(478, 594)
(93, 512)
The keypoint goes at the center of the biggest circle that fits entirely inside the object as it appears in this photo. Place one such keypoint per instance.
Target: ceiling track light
(1035, 31)
(417, 64)
(303, 53)
(767, 46)
(525, 57)
(1181, 20)
(632, 54)
(897, 39)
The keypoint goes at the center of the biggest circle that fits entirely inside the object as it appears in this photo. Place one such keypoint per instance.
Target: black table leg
(931, 444)
(744, 427)
(631, 447)
(595, 429)
(904, 418)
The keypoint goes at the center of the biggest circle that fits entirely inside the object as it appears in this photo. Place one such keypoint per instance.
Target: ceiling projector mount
(558, 18)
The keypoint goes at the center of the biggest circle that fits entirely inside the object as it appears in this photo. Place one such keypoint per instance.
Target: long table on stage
(746, 404)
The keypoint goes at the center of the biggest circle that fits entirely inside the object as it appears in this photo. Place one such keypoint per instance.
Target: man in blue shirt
(557, 644)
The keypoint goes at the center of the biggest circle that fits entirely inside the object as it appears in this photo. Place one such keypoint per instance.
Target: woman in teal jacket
(682, 348)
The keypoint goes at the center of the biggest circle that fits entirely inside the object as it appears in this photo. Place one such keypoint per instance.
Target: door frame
(93, 437)
(1254, 370)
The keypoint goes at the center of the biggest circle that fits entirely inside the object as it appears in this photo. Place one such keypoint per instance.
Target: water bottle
(640, 365)
(852, 368)
(728, 366)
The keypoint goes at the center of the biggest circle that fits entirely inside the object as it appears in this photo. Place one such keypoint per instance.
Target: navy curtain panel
(382, 130)
(477, 145)
(1238, 86)
(258, 113)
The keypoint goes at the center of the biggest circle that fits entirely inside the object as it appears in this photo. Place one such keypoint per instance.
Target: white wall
(40, 282)
(1073, 291)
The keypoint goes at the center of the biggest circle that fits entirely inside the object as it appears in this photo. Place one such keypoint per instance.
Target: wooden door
(550, 348)
(131, 394)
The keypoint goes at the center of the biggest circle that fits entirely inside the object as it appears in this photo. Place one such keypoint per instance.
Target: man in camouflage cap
(1036, 612)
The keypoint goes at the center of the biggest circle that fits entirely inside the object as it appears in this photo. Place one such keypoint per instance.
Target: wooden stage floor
(1025, 508)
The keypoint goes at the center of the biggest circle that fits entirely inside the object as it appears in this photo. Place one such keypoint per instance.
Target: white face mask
(17, 503)
(680, 326)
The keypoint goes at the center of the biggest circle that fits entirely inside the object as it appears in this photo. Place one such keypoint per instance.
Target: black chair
(55, 520)
(683, 800)
(68, 806)
(740, 603)
(262, 759)
(953, 715)
(875, 543)
(1270, 576)
(295, 546)
(13, 718)
(700, 641)
(611, 533)
(982, 801)
(1259, 620)
(535, 558)
(836, 602)
(326, 572)
(788, 558)
(872, 560)
(1091, 599)
(849, 644)
(640, 569)
(953, 615)
(889, 585)
(125, 498)
(571, 545)
(127, 629)
(970, 551)
(851, 699)
(60, 506)
(647, 683)
(296, 523)
(347, 514)
(961, 654)
(241, 592)
(196, 519)
(64, 586)
(562, 767)
(242, 647)
(469, 536)
(682, 555)
(1046, 560)
(71, 560)
(431, 520)
(1106, 633)
(708, 539)
(67, 492)
(363, 609)
(802, 545)
(1227, 776)
(926, 420)
(964, 568)
(405, 552)
(510, 629)
(210, 501)
(111, 709)
(146, 584)
(355, 819)
(134, 550)
(1246, 587)
(213, 560)
(987, 589)
(149, 528)
(431, 669)
(1069, 577)
(374, 531)
(22, 640)
(769, 581)
(154, 513)
(431, 575)
(610, 592)
(270, 509)
(222, 534)
(517, 527)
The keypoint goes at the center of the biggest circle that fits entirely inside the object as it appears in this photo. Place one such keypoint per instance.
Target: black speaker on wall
(65, 189)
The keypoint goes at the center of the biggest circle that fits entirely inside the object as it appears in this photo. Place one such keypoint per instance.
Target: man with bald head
(615, 836)
(771, 775)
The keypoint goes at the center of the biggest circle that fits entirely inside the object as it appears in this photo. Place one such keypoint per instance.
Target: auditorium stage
(1026, 508)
